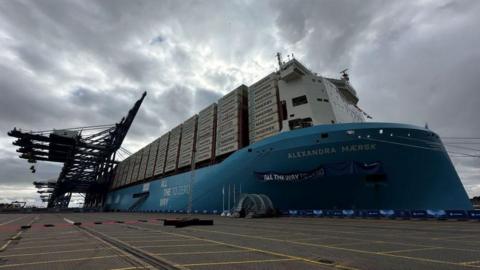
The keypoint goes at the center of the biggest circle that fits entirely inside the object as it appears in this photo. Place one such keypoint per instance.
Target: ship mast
(279, 59)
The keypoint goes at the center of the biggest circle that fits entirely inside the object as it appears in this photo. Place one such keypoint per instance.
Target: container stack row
(263, 109)
(206, 129)
(217, 131)
(173, 149)
(187, 142)
(231, 116)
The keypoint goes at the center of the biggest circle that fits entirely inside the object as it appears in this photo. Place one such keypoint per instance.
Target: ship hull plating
(342, 166)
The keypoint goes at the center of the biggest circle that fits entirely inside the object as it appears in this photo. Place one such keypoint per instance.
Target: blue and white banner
(290, 177)
(334, 169)
(474, 214)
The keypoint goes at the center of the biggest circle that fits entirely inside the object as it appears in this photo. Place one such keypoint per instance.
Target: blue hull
(341, 166)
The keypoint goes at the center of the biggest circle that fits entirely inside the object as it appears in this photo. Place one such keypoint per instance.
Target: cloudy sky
(76, 63)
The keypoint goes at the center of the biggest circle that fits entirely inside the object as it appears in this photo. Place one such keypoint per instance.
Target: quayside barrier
(428, 214)
(388, 214)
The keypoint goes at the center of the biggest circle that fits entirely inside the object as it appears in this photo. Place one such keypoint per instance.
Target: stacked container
(161, 154)
(123, 173)
(263, 109)
(143, 165)
(205, 143)
(187, 143)
(152, 156)
(131, 165)
(230, 121)
(173, 149)
(118, 171)
(136, 167)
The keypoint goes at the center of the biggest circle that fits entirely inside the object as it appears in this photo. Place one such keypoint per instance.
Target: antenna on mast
(279, 59)
(345, 75)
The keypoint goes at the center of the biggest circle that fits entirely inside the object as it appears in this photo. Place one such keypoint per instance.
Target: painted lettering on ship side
(331, 150)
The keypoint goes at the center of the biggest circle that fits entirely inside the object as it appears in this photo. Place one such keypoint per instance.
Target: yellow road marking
(363, 233)
(407, 250)
(15, 237)
(259, 250)
(184, 245)
(337, 248)
(235, 262)
(202, 252)
(355, 242)
(141, 262)
(41, 239)
(61, 245)
(131, 268)
(160, 240)
(60, 261)
(13, 220)
(55, 252)
(141, 237)
(471, 262)
(270, 228)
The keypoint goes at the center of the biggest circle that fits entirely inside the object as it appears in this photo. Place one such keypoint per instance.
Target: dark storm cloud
(76, 63)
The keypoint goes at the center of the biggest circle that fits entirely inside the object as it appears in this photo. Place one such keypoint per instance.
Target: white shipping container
(152, 154)
(264, 121)
(123, 172)
(118, 170)
(273, 110)
(126, 176)
(265, 103)
(161, 154)
(266, 131)
(134, 170)
(227, 148)
(228, 121)
(143, 165)
(263, 109)
(173, 147)
(187, 142)
(262, 95)
(233, 123)
(138, 161)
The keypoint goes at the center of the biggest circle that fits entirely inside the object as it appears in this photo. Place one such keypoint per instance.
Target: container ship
(299, 141)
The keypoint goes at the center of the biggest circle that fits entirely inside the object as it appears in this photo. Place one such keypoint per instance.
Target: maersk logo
(331, 150)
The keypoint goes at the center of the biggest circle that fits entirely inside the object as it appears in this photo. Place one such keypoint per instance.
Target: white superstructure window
(297, 101)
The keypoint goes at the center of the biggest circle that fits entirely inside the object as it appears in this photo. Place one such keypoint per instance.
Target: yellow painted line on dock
(306, 260)
(160, 240)
(408, 250)
(336, 248)
(41, 239)
(61, 245)
(235, 262)
(55, 252)
(13, 220)
(61, 261)
(202, 252)
(142, 237)
(15, 237)
(183, 245)
(270, 228)
(131, 268)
